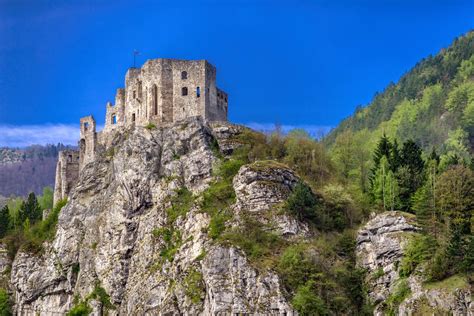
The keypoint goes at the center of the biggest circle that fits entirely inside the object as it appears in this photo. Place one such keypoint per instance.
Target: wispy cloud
(316, 131)
(25, 135)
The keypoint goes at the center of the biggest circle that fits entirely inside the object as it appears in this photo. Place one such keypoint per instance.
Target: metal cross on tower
(135, 54)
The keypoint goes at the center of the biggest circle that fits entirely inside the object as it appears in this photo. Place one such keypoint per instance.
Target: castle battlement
(162, 91)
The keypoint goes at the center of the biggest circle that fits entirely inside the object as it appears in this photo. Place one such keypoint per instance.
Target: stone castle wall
(166, 91)
(162, 91)
(87, 141)
(67, 174)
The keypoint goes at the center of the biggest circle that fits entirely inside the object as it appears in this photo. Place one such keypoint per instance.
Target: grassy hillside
(433, 104)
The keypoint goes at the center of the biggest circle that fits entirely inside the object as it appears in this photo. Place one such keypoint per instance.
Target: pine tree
(410, 174)
(4, 221)
(395, 158)
(383, 149)
(30, 209)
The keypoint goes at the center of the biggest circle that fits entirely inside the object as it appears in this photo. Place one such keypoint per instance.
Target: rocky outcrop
(380, 245)
(380, 248)
(115, 230)
(260, 188)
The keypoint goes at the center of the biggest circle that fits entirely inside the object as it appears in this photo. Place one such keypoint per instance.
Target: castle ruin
(161, 92)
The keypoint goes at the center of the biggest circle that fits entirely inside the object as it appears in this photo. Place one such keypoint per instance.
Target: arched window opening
(155, 99)
(114, 119)
(184, 75)
(69, 158)
(86, 126)
(198, 92)
(184, 91)
(133, 117)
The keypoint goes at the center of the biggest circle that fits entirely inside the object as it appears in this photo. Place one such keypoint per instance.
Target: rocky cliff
(120, 247)
(140, 235)
(381, 245)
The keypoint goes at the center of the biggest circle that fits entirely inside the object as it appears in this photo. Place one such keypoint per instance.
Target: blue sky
(297, 63)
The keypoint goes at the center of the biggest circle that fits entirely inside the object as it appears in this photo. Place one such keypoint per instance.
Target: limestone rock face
(110, 233)
(380, 247)
(261, 186)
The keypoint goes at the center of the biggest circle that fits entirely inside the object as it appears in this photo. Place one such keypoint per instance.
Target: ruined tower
(67, 173)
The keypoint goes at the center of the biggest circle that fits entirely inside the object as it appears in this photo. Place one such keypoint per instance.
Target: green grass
(82, 307)
(5, 303)
(172, 241)
(378, 273)
(180, 204)
(194, 286)
(449, 284)
(260, 246)
(400, 293)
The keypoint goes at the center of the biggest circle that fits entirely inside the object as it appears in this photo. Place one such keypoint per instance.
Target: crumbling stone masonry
(67, 172)
(162, 91)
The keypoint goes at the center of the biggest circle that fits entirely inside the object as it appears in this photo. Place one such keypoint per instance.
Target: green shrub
(76, 268)
(101, 295)
(80, 309)
(180, 204)
(401, 291)
(378, 273)
(306, 302)
(254, 240)
(172, 240)
(194, 286)
(217, 224)
(5, 304)
(419, 249)
(438, 267)
(202, 255)
(215, 148)
(295, 266)
(150, 126)
(302, 202)
(218, 196)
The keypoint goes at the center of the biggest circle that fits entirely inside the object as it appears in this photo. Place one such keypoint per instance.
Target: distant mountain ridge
(30, 169)
(432, 104)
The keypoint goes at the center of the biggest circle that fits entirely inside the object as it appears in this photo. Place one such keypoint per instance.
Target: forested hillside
(432, 104)
(28, 169)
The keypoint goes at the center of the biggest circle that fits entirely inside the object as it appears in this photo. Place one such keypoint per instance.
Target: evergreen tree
(30, 209)
(384, 148)
(434, 156)
(4, 221)
(395, 158)
(455, 197)
(410, 174)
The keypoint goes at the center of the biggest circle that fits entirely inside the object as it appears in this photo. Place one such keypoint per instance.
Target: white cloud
(316, 131)
(25, 135)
